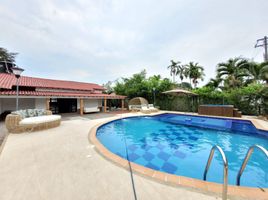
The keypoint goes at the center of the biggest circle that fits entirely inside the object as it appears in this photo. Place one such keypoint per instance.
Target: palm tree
(194, 71)
(264, 72)
(180, 72)
(174, 68)
(214, 83)
(253, 70)
(233, 71)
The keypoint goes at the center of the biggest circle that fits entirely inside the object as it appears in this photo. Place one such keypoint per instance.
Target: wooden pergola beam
(81, 106)
(105, 104)
(122, 104)
(47, 103)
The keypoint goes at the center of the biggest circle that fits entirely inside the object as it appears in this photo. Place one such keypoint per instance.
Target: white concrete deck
(61, 164)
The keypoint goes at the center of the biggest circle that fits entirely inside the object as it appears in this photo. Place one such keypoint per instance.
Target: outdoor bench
(31, 120)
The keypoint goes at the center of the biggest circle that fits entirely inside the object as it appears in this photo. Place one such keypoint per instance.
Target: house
(56, 95)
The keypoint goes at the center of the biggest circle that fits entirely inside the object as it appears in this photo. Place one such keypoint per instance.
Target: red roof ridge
(9, 80)
(59, 80)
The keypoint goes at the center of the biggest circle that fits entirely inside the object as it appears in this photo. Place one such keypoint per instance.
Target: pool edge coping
(169, 179)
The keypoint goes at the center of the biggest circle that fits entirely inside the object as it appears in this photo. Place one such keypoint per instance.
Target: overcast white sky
(102, 40)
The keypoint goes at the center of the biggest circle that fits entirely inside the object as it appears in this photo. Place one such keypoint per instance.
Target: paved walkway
(61, 164)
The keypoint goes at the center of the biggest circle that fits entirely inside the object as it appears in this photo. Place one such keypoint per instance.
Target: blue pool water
(180, 144)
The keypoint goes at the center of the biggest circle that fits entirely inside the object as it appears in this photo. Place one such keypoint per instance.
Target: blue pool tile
(163, 155)
(179, 138)
(152, 166)
(132, 147)
(177, 133)
(193, 138)
(142, 161)
(143, 140)
(155, 134)
(173, 136)
(133, 156)
(188, 145)
(160, 146)
(146, 147)
(179, 154)
(148, 156)
(152, 143)
(139, 151)
(154, 150)
(174, 146)
(198, 133)
(169, 168)
(188, 133)
(157, 161)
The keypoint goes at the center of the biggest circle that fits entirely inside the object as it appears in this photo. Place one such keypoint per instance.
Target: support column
(122, 104)
(48, 104)
(105, 104)
(81, 106)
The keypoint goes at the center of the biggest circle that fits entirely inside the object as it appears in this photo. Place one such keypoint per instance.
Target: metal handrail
(225, 169)
(243, 166)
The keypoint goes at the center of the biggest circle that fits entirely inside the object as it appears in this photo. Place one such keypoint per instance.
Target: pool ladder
(249, 153)
(225, 169)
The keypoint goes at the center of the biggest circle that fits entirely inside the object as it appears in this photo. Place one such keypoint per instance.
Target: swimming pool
(180, 145)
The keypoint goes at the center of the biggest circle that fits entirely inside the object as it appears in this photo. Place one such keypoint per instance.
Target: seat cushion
(22, 113)
(39, 119)
(31, 112)
(92, 109)
(40, 112)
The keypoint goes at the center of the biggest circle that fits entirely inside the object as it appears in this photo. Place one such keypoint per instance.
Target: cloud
(97, 41)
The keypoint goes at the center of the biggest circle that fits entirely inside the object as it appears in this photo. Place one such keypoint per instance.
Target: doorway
(63, 105)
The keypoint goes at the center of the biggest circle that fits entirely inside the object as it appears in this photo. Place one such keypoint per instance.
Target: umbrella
(180, 92)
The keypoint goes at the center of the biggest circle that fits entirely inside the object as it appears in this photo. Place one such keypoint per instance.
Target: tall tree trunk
(190, 82)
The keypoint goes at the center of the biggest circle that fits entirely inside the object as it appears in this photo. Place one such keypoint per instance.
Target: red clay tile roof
(60, 94)
(9, 80)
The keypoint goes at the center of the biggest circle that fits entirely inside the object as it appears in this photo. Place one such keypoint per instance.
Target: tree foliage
(5, 55)
(175, 69)
(248, 98)
(140, 86)
(264, 72)
(238, 82)
(194, 71)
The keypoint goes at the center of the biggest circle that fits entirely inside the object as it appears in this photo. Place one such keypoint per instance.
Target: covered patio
(46, 100)
(59, 96)
(104, 98)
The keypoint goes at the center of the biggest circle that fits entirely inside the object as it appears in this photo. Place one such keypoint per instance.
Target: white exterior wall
(40, 103)
(9, 104)
(90, 103)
